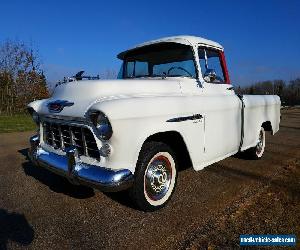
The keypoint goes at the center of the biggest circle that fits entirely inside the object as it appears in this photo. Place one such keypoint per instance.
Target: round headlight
(103, 126)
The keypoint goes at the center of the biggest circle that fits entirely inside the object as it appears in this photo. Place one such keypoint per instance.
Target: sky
(261, 38)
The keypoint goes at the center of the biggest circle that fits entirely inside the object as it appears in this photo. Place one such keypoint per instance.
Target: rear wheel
(258, 151)
(155, 176)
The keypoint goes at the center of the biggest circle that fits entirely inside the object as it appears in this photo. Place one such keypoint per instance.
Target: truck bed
(259, 109)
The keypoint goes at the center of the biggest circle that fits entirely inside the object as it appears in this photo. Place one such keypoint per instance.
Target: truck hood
(83, 94)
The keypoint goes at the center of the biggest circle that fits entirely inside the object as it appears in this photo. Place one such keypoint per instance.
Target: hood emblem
(58, 105)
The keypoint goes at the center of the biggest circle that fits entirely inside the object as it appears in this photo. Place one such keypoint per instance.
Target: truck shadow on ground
(242, 156)
(14, 227)
(55, 182)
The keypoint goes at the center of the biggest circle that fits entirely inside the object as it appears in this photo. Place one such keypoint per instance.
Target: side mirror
(210, 75)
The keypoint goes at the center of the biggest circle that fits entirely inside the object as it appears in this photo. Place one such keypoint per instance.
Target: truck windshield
(159, 60)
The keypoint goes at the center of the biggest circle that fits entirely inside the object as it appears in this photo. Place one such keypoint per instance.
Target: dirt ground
(209, 210)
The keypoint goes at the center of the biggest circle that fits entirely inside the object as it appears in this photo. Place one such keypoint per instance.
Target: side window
(211, 67)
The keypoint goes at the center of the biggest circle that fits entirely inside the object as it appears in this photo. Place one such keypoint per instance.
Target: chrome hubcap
(260, 143)
(158, 178)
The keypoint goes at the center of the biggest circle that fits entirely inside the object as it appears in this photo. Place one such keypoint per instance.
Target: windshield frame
(126, 59)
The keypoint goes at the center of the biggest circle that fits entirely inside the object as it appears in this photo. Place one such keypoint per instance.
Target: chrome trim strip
(61, 138)
(186, 118)
(63, 118)
(59, 120)
(84, 142)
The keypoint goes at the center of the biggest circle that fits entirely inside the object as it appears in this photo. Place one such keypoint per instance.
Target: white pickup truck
(172, 104)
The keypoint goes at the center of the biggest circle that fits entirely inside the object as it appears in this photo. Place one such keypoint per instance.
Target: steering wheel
(175, 67)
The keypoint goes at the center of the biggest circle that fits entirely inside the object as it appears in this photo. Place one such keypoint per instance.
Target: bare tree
(21, 77)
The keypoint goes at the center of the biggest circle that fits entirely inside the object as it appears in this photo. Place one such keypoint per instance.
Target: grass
(16, 123)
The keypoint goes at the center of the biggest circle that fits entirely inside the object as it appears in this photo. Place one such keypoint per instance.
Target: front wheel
(155, 176)
(258, 151)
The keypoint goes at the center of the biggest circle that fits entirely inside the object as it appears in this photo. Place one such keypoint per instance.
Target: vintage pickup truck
(171, 105)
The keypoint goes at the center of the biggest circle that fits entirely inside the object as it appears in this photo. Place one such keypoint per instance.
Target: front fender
(133, 120)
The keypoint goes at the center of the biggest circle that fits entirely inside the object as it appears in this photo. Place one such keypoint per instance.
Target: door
(222, 108)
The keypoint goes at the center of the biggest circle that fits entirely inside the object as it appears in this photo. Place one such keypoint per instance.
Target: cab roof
(186, 40)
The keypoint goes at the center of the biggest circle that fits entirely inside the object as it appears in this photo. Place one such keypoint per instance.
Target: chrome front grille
(61, 136)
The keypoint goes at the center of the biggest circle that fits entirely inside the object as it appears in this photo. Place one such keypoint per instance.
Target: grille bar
(61, 136)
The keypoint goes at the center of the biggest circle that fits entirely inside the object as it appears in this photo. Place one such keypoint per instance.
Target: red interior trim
(224, 67)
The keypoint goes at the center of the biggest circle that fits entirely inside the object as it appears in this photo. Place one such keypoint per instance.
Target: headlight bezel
(101, 124)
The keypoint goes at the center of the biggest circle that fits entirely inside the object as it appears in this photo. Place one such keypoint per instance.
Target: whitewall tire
(155, 176)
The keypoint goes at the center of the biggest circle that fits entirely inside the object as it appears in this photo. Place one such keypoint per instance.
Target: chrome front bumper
(77, 172)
